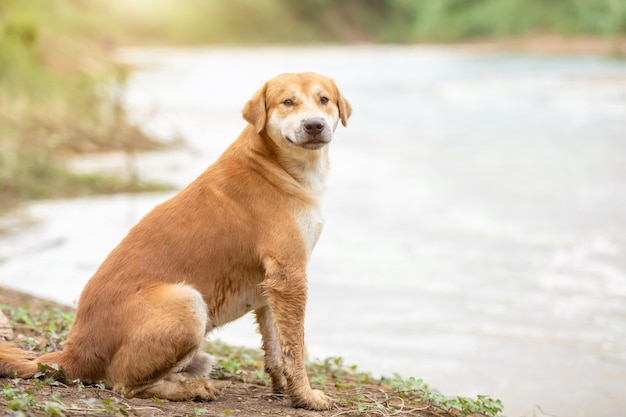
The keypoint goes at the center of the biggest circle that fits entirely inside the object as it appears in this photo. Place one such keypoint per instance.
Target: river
(475, 213)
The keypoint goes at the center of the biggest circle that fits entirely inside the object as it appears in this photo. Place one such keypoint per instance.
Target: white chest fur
(312, 174)
(310, 222)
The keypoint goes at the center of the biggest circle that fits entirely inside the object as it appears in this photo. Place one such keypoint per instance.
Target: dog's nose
(314, 126)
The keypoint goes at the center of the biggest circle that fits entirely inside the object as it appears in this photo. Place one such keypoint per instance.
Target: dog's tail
(19, 363)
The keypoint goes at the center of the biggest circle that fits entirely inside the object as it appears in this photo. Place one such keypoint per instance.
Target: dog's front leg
(273, 355)
(286, 291)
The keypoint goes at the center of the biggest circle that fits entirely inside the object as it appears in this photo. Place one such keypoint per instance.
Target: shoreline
(547, 44)
(540, 44)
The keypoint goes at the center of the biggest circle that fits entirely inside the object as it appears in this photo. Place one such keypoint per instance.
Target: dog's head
(299, 110)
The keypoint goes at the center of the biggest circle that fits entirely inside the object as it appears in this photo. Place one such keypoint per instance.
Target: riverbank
(42, 325)
(550, 44)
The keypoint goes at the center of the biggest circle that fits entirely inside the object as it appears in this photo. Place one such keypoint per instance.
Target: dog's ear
(254, 111)
(345, 110)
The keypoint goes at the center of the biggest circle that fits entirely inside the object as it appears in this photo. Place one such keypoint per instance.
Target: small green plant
(17, 398)
(481, 405)
(54, 407)
(50, 324)
(113, 406)
(197, 411)
(237, 363)
(29, 343)
(417, 391)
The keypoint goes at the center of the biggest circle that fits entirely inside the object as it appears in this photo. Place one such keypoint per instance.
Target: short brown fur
(237, 239)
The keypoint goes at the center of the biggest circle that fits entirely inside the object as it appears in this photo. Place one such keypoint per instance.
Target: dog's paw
(203, 389)
(279, 384)
(315, 400)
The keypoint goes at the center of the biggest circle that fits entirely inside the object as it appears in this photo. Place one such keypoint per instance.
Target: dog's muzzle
(314, 134)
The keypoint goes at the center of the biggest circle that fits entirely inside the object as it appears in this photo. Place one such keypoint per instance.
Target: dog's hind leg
(177, 387)
(200, 366)
(160, 357)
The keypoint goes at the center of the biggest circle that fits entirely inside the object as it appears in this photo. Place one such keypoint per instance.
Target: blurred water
(475, 213)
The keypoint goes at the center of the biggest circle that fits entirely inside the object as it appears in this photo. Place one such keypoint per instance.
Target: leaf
(54, 408)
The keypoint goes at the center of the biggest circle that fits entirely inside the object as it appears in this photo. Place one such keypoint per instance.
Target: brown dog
(235, 240)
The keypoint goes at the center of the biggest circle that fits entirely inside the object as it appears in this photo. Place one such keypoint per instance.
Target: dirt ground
(238, 398)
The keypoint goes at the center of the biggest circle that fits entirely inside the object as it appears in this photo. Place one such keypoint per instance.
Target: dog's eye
(288, 102)
(324, 100)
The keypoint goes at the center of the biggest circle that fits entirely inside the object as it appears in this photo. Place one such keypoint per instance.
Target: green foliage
(51, 325)
(197, 411)
(20, 398)
(451, 20)
(54, 407)
(22, 401)
(17, 398)
(287, 21)
(416, 390)
(60, 94)
(237, 363)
